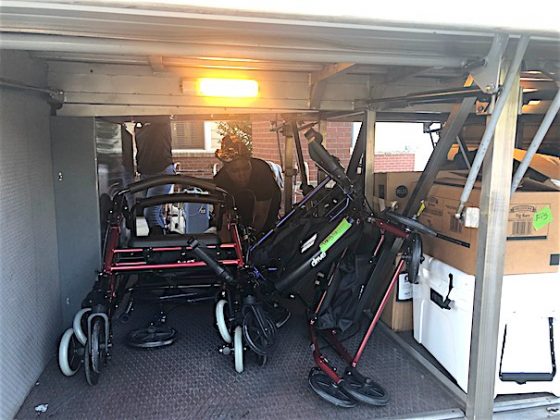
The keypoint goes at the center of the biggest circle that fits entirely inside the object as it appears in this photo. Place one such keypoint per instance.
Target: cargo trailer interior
(67, 66)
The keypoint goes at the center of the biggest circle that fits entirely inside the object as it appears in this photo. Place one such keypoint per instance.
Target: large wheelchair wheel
(364, 390)
(69, 353)
(413, 257)
(328, 390)
(259, 338)
(238, 349)
(221, 316)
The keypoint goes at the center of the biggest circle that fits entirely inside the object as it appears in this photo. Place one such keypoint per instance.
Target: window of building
(194, 136)
(188, 135)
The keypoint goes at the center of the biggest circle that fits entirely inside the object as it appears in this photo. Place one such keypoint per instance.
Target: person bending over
(251, 182)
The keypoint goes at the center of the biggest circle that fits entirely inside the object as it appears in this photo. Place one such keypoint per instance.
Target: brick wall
(197, 164)
(338, 142)
(394, 162)
(265, 146)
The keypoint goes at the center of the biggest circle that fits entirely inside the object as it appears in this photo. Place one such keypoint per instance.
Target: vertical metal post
(357, 153)
(289, 171)
(369, 156)
(379, 279)
(323, 130)
(494, 208)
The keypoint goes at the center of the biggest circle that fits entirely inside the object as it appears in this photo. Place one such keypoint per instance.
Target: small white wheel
(77, 325)
(68, 353)
(238, 349)
(221, 321)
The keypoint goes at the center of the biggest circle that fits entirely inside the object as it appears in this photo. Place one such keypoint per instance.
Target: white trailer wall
(30, 309)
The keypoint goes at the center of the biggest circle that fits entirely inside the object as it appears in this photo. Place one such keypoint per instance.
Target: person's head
(239, 171)
(237, 160)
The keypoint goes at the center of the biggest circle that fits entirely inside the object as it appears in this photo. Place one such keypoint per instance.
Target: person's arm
(261, 214)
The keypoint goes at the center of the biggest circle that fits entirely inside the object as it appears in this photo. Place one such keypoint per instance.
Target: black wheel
(152, 337)
(94, 353)
(259, 338)
(413, 257)
(411, 224)
(364, 390)
(98, 345)
(328, 390)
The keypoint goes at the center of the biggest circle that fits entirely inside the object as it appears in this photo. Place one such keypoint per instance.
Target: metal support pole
(357, 153)
(513, 75)
(323, 130)
(379, 280)
(494, 209)
(289, 171)
(537, 140)
(464, 149)
(304, 186)
(457, 117)
(369, 157)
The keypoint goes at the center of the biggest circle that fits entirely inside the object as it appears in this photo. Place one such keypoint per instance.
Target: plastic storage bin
(529, 333)
(196, 215)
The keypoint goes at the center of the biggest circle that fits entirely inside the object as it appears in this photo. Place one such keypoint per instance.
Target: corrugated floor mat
(191, 379)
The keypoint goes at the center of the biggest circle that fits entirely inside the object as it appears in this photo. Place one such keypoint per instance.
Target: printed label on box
(528, 222)
(404, 288)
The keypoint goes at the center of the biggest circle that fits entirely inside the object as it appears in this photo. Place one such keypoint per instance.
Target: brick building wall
(265, 146)
(394, 162)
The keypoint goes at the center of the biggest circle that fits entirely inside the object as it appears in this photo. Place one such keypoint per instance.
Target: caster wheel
(221, 321)
(70, 353)
(79, 324)
(238, 349)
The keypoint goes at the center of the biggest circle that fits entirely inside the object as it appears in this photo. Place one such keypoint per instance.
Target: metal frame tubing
(289, 173)
(536, 142)
(493, 121)
(494, 209)
(379, 281)
(369, 157)
(357, 154)
(304, 187)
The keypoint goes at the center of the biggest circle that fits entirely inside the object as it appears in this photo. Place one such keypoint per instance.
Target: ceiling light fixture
(228, 88)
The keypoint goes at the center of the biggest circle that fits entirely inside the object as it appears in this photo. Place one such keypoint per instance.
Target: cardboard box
(533, 232)
(394, 187)
(398, 314)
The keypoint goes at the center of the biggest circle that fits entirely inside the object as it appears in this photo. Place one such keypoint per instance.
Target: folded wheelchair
(334, 240)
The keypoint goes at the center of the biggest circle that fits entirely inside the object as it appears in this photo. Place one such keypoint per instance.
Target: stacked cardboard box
(533, 233)
(393, 189)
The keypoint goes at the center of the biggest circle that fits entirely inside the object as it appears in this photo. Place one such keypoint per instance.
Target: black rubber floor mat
(192, 380)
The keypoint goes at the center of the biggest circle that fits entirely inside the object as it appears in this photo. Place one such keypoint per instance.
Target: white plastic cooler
(529, 336)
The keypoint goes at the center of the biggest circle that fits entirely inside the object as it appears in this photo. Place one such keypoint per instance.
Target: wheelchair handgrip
(220, 271)
(157, 200)
(324, 159)
(172, 179)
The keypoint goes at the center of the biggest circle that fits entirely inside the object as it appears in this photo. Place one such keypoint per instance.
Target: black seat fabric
(173, 239)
